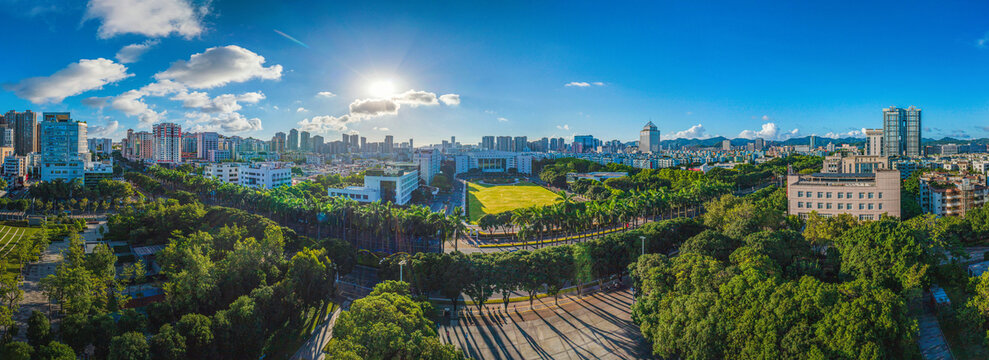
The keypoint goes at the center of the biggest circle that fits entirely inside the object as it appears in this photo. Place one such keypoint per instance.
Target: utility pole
(643, 239)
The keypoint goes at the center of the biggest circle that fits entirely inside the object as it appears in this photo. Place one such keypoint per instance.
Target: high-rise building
(138, 146)
(544, 144)
(346, 140)
(100, 145)
(25, 125)
(520, 143)
(586, 143)
(488, 142)
(429, 164)
(389, 144)
(760, 143)
(874, 143)
(354, 142)
(412, 145)
(304, 141)
(453, 141)
(504, 143)
(167, 143)
(316, 143)
(206, 141)
(7, 137)
(813, 142)
(278, 142)
(363, 144)
(293, 140)
(901, 131)
(726, 145)
(649, 138)
(64, 153)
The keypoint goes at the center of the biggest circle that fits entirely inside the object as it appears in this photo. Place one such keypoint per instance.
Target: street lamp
(643, 239)
(401, 264)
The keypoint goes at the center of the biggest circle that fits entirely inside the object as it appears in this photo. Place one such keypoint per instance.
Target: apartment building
(946, 194)
(265, 175)
(225, 172)
(865, 196)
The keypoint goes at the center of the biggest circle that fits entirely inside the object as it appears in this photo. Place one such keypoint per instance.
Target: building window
(848, 195)
(870, 195)
(800, 204)
(865, 217)
(861, 195)
(820, 205)
(800, 194)
(829, 194)
(841, 205)
(840, 195)
(820, 194)
(880, 194)
(861, 206)
(828, 205)
(880, 206)
(870, 206)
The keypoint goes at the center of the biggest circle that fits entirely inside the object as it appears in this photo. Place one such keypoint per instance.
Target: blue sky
(773, 70)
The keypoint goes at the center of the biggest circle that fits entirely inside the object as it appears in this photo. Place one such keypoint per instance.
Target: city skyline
(711, 79)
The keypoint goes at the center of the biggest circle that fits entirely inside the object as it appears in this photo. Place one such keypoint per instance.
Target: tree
(710, 243)
(129, 346)
(16, 350)
(198, 333)
(481, 279)
(76, 331)
(168, 344)
(442, 182)
(38, 329)
(312, 276)
(55, 350)
(132, 321)
(387, 325)
(238, 330)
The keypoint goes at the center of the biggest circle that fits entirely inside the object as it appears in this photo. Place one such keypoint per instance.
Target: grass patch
(493, 199)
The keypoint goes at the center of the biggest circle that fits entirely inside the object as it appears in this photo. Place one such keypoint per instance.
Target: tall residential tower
(649, 138)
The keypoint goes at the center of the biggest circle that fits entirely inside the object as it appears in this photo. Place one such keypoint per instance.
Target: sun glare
(381, 88)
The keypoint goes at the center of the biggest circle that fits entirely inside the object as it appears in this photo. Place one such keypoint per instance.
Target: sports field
(493, 199)
(10, 238)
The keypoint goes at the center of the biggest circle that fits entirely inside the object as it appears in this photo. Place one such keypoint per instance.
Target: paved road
(598, 326)
(313, 348)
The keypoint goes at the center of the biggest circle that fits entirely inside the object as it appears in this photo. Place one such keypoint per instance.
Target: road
(313, 348)
(598, 326)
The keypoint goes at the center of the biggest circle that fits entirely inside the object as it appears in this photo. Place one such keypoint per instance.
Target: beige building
(865, 196)
(945, 194)
(840, 164)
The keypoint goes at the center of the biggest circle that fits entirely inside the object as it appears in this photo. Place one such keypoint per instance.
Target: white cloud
(852, 133)
(162, 88)
(75, 79)
(325, 123)
(373, 107)
(501, 119)
(97, 101)
(450, 99)
(218, 66)
(694, 132)
(381, 128)
(326, 94)
(131, 104)
(584, 83)
(131, 53)
(226, 122)
(769, 131)
(983, 41)
(563, 127)
(361, 109)
(765, 118)
(226, 103)
(153, 18)
(105, 130)
(301, 109)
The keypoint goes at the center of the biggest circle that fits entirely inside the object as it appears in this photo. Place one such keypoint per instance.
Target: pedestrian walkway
(930, 338)
(313, 348)
(598, 326)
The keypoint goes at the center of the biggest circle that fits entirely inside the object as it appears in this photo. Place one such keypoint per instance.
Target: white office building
(494, 161)
(429, 164)
(265, 175)
(387, 185)
(226, 172)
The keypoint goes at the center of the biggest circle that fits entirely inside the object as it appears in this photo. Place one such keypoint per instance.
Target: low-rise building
(225, 172)
(394, 185)
(494, 161)
(96, 172)
(865, 196)
(215, 155)
(947, 194)
(265, 175)
(596, 176)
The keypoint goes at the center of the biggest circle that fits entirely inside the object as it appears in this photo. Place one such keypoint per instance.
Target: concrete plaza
(597, 326)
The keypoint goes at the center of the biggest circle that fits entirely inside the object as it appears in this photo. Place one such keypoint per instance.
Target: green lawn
(11, 240)
(493, 199)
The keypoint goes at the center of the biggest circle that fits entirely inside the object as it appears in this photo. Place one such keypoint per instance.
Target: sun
(381, 88)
